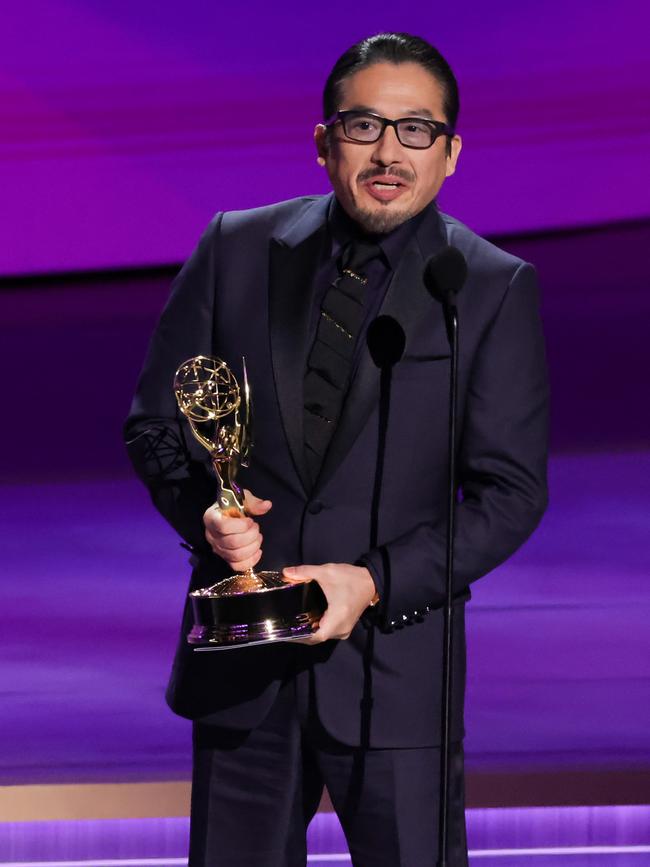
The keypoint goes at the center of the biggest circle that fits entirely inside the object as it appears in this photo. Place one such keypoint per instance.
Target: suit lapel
(408, 301)
(294, 256)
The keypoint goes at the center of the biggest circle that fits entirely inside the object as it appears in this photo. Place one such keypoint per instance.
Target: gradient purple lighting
(126, 126)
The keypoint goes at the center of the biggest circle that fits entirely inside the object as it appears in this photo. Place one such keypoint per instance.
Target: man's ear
(322, 144)
(452, 158)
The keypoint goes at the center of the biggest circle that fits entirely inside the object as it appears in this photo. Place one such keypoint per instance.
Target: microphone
(444, 275)
(386, 341)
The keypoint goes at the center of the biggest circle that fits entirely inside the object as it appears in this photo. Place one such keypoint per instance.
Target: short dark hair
(392, 48)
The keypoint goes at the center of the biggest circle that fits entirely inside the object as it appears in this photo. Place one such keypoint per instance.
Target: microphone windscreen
(386, 341)
(445, 273)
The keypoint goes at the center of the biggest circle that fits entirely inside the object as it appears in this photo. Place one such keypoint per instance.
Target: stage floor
(559, 645)
(540, 837)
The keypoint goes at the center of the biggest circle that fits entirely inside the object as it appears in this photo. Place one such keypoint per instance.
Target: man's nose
(388, 149)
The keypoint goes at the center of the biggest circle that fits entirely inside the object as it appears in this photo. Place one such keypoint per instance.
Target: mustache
(403, 174)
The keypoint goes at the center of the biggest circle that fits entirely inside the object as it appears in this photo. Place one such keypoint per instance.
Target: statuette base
(254, 608)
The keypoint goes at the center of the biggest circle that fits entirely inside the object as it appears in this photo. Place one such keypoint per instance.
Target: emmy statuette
(249, 607)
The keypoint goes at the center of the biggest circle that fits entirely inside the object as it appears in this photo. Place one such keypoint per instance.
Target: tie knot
(357, 255)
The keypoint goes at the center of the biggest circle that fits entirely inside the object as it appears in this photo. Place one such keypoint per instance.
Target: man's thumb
(297, 573)
(255, 506)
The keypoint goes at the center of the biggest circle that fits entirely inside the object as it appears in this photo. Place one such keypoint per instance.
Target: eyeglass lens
(410, 131)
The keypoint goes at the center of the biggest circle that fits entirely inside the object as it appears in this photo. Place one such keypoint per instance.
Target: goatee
(381, 222)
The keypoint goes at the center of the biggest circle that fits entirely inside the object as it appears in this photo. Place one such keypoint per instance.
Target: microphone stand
(444, 275)
(451, 322)
(386, 341)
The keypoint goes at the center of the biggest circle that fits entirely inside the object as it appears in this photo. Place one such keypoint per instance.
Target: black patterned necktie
(330, 361)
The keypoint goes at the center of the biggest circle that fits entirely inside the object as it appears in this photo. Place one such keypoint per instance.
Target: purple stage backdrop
(123, 127)
(126, 125)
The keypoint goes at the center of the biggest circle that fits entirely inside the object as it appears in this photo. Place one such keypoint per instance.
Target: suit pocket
(420, 367)
(420, 358)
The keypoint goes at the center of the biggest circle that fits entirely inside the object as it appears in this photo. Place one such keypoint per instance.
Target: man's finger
(321, 634)
(241, 554)
(235, 542)
(248, 563)
(223, 525)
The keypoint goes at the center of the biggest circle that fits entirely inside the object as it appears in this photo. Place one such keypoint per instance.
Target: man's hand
(236, 538)
(348, 590)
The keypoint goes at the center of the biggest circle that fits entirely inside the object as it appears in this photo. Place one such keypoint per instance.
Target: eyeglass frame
(438, 126)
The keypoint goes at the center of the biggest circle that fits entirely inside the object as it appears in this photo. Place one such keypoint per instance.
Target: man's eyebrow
(411, 112)
(419, 112)
(359, 107)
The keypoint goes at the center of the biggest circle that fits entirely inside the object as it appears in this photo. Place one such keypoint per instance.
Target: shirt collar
(343, 229)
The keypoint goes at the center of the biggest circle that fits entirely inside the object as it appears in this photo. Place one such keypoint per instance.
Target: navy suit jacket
(246, 290)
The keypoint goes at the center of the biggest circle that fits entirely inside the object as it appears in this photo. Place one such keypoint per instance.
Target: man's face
(382, 184)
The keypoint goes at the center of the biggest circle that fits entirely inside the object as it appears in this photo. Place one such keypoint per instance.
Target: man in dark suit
(293, 287)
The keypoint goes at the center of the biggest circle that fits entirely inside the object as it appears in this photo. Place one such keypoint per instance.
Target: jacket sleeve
(501, 466)
(173, 466)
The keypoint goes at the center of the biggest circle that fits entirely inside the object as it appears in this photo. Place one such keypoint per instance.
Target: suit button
(315, 507)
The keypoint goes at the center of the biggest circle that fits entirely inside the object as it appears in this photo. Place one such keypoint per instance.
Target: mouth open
(385, 188)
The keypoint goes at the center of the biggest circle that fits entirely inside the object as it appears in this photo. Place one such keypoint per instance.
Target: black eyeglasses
(412, 132)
